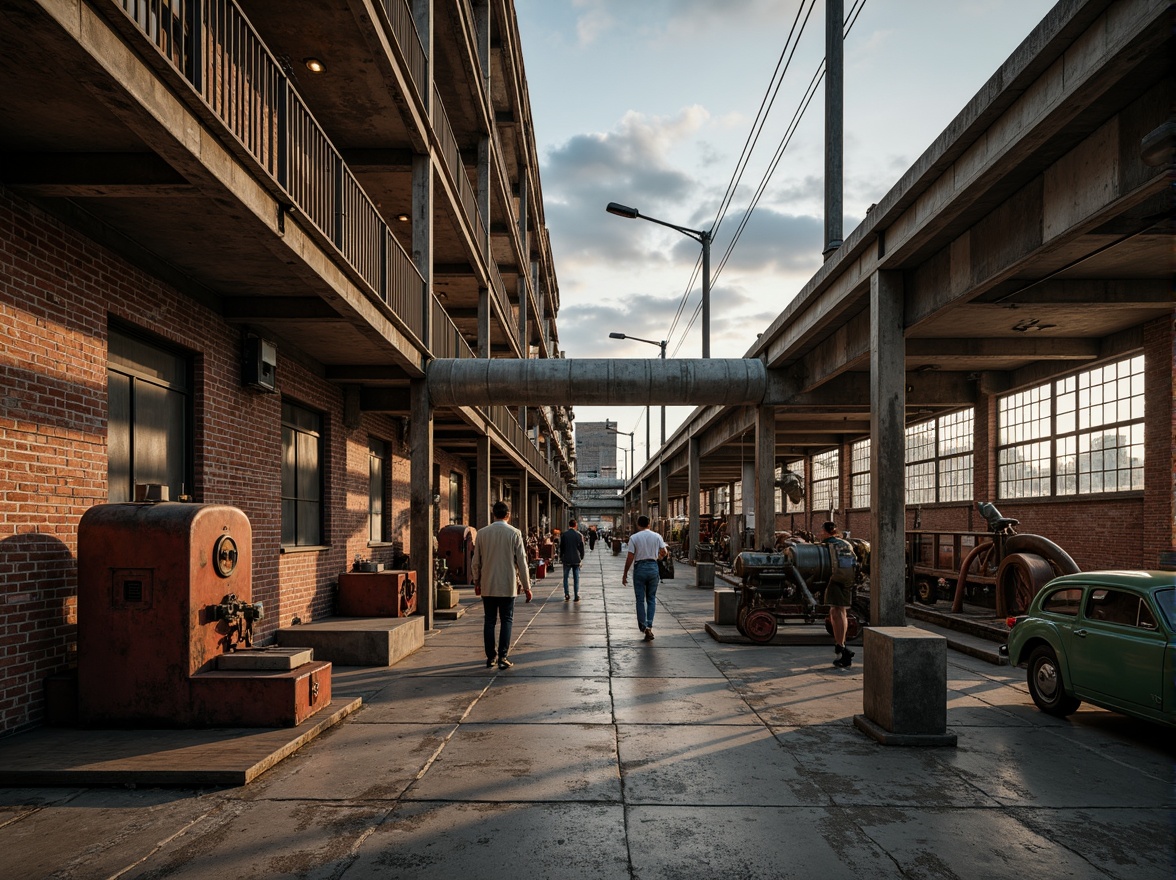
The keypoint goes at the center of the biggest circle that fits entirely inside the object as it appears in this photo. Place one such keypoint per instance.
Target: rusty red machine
(455, 544)
(779, 587)
(389, 593)
(165, 625)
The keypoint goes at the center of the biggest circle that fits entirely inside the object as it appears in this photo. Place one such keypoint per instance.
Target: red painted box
(377, 594)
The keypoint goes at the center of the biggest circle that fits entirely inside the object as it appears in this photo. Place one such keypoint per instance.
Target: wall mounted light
(314, 65)
(403, 218)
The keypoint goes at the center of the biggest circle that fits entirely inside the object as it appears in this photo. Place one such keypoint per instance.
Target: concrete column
(524, 265)
(693, 501)
(482, 502)
(420, 508)
(484, 311)
(523, 517)
(765, 477)
(887, 449)
(643, 499)
(663, 494)
(422, 235)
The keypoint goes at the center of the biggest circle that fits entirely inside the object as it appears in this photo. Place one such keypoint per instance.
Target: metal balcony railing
(447, 339)
(214, 47)
(409, 41)
(451, 154)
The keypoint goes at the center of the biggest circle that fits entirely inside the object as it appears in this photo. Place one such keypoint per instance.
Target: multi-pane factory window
(1079, 435)
(302, 476)
(939, 459)
(859, 466)
(826, 480)
(377, 490)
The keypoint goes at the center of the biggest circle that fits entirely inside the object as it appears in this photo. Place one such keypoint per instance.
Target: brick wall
(58, 291)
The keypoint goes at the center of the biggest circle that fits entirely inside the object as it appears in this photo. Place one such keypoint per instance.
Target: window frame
(932, 466)
(299, 502)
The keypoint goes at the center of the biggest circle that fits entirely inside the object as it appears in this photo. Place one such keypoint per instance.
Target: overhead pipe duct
(598, 382)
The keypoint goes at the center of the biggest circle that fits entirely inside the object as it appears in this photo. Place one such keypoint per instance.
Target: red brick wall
(58, 290)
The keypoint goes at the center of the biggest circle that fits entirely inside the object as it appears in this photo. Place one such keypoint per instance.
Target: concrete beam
(256, 309)
(102, 175)
(1023, 346)
(397, 401)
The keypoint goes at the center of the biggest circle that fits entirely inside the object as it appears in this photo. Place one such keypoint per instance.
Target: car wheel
(741, 619)
(1046, 685)
(761, 626)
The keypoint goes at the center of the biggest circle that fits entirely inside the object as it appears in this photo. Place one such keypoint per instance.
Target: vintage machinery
(165, 625)
(455, 544)
(1015, 565)
(781, 587)
(377, 594)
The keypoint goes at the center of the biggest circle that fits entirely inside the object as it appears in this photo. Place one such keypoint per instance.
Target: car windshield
(1166, 599)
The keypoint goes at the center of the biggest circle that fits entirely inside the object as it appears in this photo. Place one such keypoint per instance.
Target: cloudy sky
(650, 102)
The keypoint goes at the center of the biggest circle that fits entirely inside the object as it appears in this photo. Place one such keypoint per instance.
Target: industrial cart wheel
(761, 626)
(1020, 576)
(853, 625)
(925, 591)
(741, 619)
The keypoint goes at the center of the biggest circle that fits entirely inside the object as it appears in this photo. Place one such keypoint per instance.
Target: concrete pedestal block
(904, 673)
(726, 603)
(358, 641)
(704, 575)
(445, 598)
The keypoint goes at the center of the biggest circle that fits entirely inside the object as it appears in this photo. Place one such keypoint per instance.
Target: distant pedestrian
(646, 547)
(838, 597)
(571, 554)
(592, 536)
(499, 567)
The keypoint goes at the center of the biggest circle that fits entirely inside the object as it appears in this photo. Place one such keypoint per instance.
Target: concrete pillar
(643, 499)
(422, 235)
(482, 502)
(693, 501)
(420, 508)
(523, 517)
(484, 312)
(524, 267)
(765, 477)
(663, 494)
(904, 687)
(887, 450)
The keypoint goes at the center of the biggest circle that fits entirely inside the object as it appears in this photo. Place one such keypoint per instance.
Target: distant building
(596, 495)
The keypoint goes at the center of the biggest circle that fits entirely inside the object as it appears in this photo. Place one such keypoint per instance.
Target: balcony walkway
(602, 756)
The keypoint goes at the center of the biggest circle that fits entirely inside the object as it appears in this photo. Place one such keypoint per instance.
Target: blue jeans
(575, 570)
(645, 581)
(498, 607)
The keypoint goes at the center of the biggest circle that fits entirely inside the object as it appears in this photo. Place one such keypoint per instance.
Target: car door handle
(1080, 632)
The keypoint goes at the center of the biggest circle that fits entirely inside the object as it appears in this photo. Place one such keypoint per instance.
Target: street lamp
(703, 238)
(661, 345)
(612, 430)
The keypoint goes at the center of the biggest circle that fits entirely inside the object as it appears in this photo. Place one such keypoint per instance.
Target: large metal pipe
(597, 382)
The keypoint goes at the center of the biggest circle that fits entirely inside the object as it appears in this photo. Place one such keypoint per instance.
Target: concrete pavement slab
(444, 660)
(533, 660)
(539, 636)
(651, 660)
(710, 765)
(803, 700)
(545, 700)
(421, 699)
(752, 843)
(1062, 772)
(968, 845)
(360, 762)
(852, 770)
(263, 839)
(496, 842)
(94, 833)
(525, 762)
(679, 701)
(1123, 843)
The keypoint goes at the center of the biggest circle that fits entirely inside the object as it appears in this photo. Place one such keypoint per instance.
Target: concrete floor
(602, 756)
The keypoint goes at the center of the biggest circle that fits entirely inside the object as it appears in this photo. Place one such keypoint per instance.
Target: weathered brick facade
(59, 291)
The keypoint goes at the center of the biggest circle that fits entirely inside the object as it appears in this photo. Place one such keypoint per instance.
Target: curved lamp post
(703, 238)
(662, 346)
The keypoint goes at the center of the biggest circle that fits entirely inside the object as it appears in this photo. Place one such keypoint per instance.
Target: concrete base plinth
(904, 693)
(726, 604)
(704, 575)
(358, 641)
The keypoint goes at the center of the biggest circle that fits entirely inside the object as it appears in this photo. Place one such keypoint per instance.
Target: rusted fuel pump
(784, 586)
(166, 623)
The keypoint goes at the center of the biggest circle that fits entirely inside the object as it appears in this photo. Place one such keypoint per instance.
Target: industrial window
(939, 459)
(455, 498)
(779, 493)
(149, 436)
(736, 497)
(1079, 435)
(859, 478)
(826, 480)
(377, 490)
(302, 476)
(795, 467)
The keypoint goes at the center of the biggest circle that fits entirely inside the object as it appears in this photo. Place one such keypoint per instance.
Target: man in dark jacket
(571, 554)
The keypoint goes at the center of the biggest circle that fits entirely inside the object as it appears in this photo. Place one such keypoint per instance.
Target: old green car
(1107, 637)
